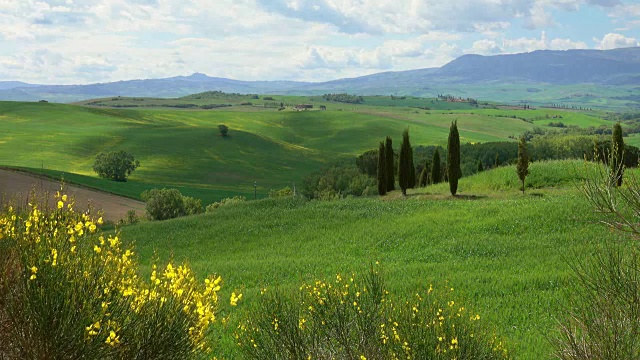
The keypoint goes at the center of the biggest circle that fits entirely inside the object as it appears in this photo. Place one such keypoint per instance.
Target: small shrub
(226, 202)
(132, 217)
(192, 206)
(284, 192)
(223, 129)
(347, 318)
(163, 204)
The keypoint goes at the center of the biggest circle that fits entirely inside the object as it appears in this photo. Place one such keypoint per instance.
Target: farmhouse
(304, 106)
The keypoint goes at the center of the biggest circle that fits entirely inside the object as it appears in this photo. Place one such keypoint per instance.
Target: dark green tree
(412, 170)
(424, 177)
(480, 167)
(382, 170)
(497, 160)
(404, 163)
(115, 165)
(523, 161)
(453, 157)
(617, 154)
(224, 129)
(388, 153)
(436, 171)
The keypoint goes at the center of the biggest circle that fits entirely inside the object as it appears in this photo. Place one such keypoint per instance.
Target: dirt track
(16, 187)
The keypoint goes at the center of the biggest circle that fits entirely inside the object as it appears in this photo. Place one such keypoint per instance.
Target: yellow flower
(235, 298)
(60, 204)
(64, 198)
(34, 269)
(97, 249)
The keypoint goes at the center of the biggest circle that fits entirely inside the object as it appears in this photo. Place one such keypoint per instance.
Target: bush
(335, 181)
(348, 319)
(115, 165)
(224, 129)
(602, 322)
(192, 206)
(226, 202)
(69, 292)
(163, 204)
(284, 192)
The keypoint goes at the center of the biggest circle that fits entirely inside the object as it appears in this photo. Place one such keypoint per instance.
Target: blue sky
(87, 41)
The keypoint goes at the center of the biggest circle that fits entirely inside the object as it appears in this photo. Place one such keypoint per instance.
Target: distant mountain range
(538, 68)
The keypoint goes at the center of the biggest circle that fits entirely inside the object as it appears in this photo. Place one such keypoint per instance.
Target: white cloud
(109, 40)
(613, 41)
(485, 47)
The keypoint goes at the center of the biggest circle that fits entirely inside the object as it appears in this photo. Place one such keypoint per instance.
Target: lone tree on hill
(388, 153)
(480, 167)
(382, 170)
(453, 158)
(404, 163)
(617, 154)
(224, 129)
(436, 171)
(523, 161)
(115, 165)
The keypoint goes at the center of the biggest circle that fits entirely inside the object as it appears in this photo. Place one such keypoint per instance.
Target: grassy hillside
(503, 252)
(184, 149)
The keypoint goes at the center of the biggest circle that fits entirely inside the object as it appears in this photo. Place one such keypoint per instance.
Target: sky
(89, 41)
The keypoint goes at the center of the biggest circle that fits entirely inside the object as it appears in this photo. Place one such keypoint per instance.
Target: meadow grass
(504, 253)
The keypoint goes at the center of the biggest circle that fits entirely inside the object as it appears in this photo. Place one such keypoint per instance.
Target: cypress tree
(436, 172)
(382, 172)
(497, 159)
(424, 177)
(388, 153)
(453, 158)
(617, 154)
(523, 161)
(480, 167)
(412, 170)
(404, 166)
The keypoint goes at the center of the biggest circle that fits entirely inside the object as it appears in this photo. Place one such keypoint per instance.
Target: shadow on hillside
(469, 197)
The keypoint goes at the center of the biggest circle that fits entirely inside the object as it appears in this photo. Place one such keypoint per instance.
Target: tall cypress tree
(480, 167)
(424, 177)
(412, 170)
(453, 157)
(382, 170)
(436, 172)
(404, 166)
(388, 153)
(617, 154)
(523, 161)
(497, 159)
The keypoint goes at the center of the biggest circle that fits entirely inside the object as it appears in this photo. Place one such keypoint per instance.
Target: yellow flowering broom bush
(348, 319)
(67, 291)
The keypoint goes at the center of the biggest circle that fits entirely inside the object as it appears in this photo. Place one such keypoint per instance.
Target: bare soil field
(18, 187)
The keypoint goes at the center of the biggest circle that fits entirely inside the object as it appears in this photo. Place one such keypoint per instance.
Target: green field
(505, 253)
(182, 148)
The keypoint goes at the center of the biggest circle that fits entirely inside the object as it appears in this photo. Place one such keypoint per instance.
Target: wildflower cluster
(348, 318)
(65, 277)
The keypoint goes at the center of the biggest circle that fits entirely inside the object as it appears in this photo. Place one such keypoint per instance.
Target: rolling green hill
(182, 148)
(504, 253)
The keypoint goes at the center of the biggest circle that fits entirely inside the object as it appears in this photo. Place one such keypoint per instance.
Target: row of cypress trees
(406, 167)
